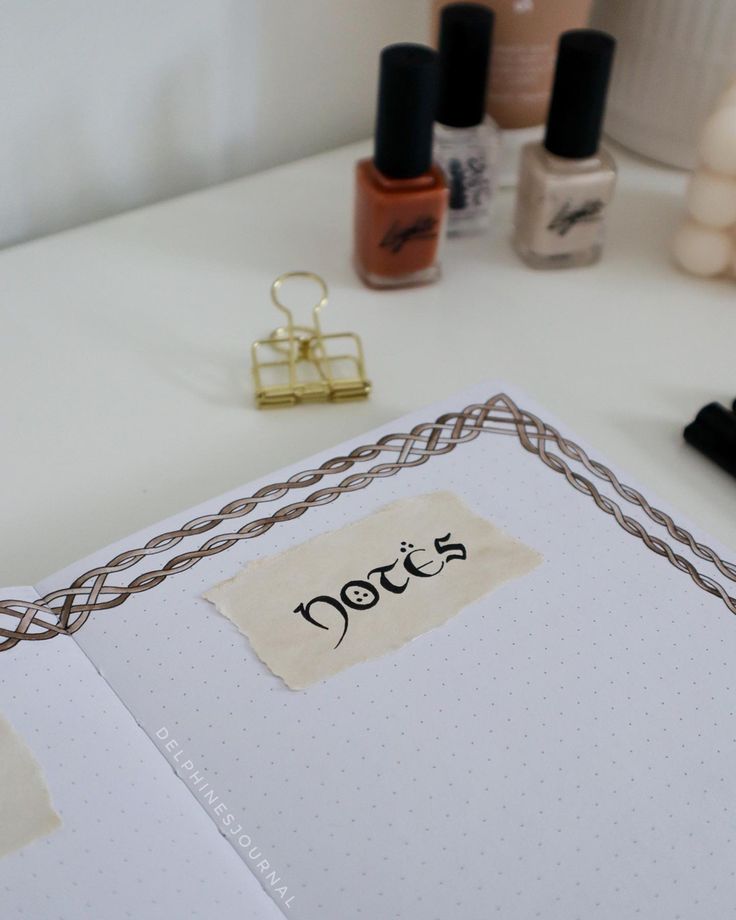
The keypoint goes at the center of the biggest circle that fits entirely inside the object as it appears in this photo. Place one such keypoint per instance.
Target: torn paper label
(369, 587)
(26, 812)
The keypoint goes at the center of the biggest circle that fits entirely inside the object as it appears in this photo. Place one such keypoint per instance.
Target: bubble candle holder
(705, 243)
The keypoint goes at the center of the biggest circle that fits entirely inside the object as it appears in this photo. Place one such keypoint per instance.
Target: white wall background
(110, 104)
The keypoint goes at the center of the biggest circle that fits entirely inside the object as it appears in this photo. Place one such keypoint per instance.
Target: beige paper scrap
(26, 812)
(369, 587)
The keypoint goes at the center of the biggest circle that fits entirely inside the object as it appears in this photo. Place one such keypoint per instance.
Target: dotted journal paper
(131, 844)
(564, 747)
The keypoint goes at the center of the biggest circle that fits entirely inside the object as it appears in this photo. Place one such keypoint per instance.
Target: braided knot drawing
(66, 610)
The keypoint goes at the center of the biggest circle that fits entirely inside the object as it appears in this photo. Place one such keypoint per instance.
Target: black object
(407, 101)
(465, 50)
(713, 433)
(575, 119)
(456, 180)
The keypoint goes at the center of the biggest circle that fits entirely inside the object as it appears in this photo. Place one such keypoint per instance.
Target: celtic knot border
(66, 610)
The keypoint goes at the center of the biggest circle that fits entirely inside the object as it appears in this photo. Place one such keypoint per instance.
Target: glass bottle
(469, 159)
(400, 194)
(561, 206)
(566, 182)
(466, 140)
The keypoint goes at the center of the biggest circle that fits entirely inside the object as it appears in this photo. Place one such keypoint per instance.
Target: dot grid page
(563, 748)
(131, 846)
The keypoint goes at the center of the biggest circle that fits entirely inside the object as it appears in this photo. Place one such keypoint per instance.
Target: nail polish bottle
(566, 182)
(467, 142)
(400, 194)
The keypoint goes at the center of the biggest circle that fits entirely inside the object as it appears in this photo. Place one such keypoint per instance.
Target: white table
(125, 372)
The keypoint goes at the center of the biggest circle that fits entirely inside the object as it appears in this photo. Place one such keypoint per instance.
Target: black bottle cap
(575, 118)
(465, 50)
(407, 100)
(713, 433)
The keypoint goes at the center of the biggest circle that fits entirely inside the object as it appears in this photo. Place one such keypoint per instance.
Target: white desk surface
(125, 371)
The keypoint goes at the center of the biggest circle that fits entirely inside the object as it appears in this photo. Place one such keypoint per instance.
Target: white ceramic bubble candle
(705, 244)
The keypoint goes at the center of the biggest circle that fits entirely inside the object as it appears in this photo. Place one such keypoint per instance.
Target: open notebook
(561, 743)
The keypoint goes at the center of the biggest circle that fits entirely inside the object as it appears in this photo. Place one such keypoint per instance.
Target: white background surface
(125, 384)
(109, 105)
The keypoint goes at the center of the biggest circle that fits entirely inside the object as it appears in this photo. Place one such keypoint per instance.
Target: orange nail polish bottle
(400, 194)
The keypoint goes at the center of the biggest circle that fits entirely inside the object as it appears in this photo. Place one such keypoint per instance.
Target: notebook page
(131, 843)
(562, 747)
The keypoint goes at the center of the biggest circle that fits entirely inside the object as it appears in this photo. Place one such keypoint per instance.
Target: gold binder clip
(305, 364)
